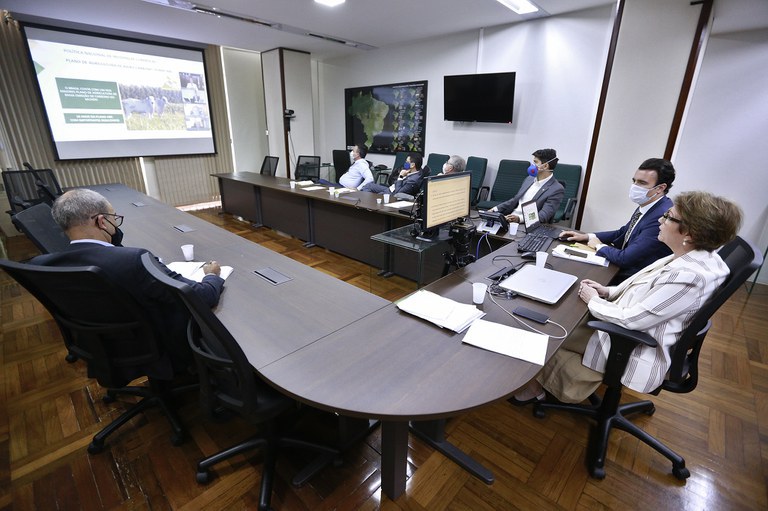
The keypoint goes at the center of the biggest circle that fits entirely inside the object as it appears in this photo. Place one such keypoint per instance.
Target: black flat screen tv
(487, 97)
(113, 97)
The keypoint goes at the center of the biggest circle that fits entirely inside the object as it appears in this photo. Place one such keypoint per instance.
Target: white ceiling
(377, 23)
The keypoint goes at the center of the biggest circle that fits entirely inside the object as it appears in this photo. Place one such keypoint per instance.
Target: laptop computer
(532, 223)
(540, 284)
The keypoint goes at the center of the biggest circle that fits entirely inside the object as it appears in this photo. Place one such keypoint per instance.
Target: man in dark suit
(93, 227)
(541, 186)
(636, 245)
(408, 181)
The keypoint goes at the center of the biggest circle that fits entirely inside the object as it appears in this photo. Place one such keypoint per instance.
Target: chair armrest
(623, 342)
(570, 206)
(483, 193)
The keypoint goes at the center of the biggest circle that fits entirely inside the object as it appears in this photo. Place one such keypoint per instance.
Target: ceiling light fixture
(519, 6)
(330, 3)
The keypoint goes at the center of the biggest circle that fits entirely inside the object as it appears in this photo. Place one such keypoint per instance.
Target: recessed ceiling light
(330, 3)
(519, 6)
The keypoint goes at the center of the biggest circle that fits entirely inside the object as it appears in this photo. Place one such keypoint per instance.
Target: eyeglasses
(666, 216)
(118, 218)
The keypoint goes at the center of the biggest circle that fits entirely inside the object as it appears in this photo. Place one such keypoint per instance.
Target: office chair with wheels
(477, 167)
(229, 383)
(435, 162)
(269, 165)
(509, 178)
(341, 162)
(743, 259)
(25, 188)
(38, 225)
(108, 329)
(308, 167)
(569, 176)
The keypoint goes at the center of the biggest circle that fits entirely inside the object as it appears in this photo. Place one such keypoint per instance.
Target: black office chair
(38, 225)
(106, 327)
(308, 167)
(341, 162)
(743, 259)
(435, 162)
(269, 165)
(509, 178)
(477, 166)
(569, 176)
(229, 382)
(25, 188)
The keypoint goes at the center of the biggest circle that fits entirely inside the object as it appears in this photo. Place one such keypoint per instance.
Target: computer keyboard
(534, 243)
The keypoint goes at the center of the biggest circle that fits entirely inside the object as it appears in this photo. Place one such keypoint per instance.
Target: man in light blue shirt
(359, 174)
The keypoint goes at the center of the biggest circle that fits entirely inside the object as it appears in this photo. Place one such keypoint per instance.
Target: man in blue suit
(636, 245)
(93, 227)
(540, 186)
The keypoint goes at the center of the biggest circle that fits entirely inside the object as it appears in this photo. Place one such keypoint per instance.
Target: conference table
(335, 347)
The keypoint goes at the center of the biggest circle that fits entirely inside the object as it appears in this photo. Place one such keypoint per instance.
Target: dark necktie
(635, 218)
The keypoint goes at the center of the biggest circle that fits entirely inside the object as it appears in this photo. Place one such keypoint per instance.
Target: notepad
(193, 270)
(443, 312)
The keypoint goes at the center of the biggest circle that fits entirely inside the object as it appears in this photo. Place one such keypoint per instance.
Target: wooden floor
(49, 410)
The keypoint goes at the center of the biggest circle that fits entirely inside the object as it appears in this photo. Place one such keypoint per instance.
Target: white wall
(559, 63)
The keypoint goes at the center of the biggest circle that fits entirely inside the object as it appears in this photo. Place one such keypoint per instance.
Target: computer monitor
(445, 199)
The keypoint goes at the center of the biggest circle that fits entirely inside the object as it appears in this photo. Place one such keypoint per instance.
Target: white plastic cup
(478, 292)
(541, 259)
(331, 189)
(189, 252)
(293, 184)
(378, 201)
(386, 198)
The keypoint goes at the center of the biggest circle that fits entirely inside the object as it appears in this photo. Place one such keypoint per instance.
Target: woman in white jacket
(659, 300)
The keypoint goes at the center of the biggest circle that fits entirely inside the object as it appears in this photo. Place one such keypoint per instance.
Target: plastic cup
(386, 198)
(541, 259)
(478, 292)
(293, 184)
(188, 251)
(331, 189)
(378, 201)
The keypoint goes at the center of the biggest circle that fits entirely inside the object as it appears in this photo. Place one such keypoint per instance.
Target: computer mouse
(563, 238)
(528, 256)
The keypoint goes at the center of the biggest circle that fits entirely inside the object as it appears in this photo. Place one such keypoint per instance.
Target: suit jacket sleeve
(509, 206)
(547, 199)
(410, 184)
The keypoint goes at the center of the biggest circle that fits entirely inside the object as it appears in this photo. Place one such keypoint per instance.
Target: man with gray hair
(93, 227)
(454, 164)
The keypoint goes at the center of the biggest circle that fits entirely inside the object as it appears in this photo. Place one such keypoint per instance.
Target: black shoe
(513, 400)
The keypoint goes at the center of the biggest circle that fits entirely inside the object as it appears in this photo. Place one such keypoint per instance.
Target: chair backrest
(743, 259)
(477, 166)
(269, 165)
(400, 158)
(25, 188)
(509, 179)
(226, 377)
(308, 167)
(569, 175)
(101, 323)
(341, 162)
(435, 162)
(38, 225)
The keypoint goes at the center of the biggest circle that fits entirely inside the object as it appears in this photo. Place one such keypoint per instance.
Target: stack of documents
(585, 256)
(443, 312)
(507, 340)
(193, 270)
(307, 182)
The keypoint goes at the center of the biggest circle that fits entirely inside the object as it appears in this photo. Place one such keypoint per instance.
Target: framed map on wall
(387, 118)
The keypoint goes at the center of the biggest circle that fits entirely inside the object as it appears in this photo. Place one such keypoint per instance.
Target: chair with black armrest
(341, 162)
(435, 162)
(39, 226)
(269, 165)
(742, 259)
(507, 183)
(229, 383)
(108, 329)
(308, 167)
(25, 188)
(477, 167)
(569, 176)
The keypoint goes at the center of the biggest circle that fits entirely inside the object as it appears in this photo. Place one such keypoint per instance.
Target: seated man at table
(359, 173)
(408, 182)
(93, 227)
(540, 185)
(454, 165)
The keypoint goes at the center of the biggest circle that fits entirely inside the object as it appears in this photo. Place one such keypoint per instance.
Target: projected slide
(109, 98)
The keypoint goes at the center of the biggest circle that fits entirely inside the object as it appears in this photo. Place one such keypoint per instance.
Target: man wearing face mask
(635, 245)
(455, 164)
(540, 185)
(93, 227)
(408, 180)
(359, 173)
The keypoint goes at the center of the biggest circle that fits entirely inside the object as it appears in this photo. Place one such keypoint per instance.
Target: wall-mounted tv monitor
(108, 97)
(445, 199)
(488, 97)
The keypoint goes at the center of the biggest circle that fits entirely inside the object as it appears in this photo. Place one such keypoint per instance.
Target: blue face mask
(406, 165)
(533, 170)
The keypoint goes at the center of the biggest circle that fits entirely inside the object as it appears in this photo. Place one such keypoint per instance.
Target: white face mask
(445, 168)
(352, 156)
(639, 195)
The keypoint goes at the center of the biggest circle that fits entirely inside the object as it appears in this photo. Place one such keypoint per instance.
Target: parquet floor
(49, 409)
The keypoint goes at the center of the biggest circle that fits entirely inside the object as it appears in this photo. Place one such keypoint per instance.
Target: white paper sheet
(193, 270)
(507, 340)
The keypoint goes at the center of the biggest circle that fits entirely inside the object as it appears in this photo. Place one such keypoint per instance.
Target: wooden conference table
(338, 348)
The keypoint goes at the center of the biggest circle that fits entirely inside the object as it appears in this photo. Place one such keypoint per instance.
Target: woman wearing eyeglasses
(659, 300)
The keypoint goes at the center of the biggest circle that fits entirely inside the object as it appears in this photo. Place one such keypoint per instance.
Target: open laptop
(532, 223)
(540, 284)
